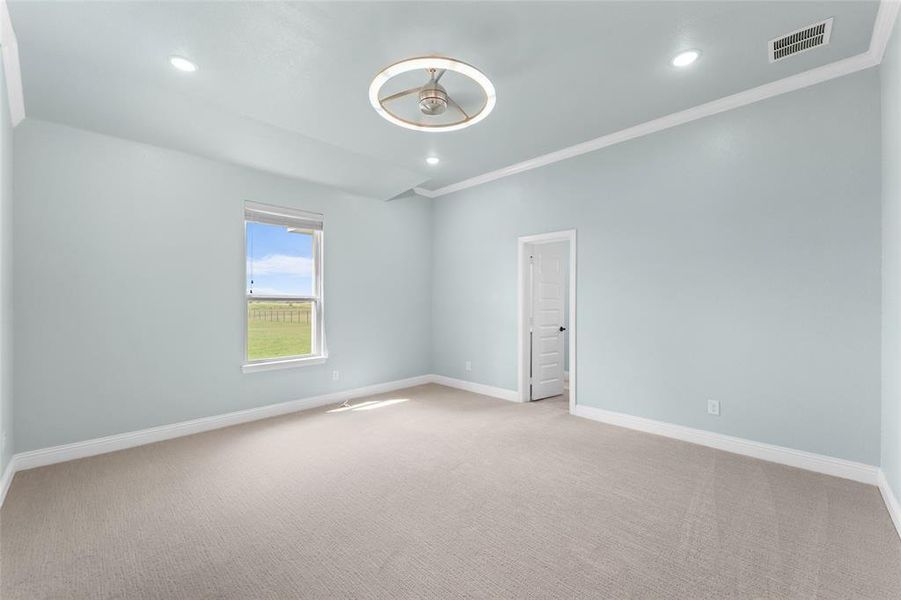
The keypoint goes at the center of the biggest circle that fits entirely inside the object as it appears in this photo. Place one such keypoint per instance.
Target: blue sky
(281, 262)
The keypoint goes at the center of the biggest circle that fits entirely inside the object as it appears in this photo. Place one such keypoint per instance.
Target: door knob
(562, 328)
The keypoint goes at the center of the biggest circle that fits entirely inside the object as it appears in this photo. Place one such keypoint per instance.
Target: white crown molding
(800, 459)
(891, 501)
(425, 192)
(9, 48)
(763, 92)
(882, 28)
(882, 31)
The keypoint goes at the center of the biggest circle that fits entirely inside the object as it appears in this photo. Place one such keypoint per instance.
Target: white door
(548, 279)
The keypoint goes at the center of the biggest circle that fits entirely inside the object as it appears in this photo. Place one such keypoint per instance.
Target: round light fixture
(433, 160)
(182, 64)
(433, 99)
(683, 59)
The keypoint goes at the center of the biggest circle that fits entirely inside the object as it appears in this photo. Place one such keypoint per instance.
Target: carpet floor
(432, 492)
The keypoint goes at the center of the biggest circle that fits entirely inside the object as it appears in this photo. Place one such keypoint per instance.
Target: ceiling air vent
(801, 40)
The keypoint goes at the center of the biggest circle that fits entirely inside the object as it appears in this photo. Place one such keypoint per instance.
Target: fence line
(282, 316)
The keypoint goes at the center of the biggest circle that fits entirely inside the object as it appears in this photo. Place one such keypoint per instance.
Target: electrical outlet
(336, 375)
(713, 407)
(469, 365)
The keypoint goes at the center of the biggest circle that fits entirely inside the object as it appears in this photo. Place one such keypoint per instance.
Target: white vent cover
(800, 40)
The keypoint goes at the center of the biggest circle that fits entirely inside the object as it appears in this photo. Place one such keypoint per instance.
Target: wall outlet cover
(713, 407)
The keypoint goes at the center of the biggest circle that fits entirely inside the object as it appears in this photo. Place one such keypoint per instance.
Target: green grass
(278, 329)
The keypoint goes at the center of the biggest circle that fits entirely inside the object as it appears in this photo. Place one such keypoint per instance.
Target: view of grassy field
(276, 329)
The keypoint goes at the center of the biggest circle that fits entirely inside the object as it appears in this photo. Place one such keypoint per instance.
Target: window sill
(288, 363)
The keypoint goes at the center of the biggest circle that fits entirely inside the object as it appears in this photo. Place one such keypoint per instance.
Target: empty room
(438, 299)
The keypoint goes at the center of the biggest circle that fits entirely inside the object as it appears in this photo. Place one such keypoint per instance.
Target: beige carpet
(444, 495)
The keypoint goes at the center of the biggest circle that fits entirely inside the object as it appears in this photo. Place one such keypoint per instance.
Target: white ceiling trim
(9, 48)
(882, 28)
(882, 32)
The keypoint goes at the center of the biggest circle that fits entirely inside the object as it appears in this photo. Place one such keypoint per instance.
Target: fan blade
(453, 103)
(440, 75)
(399, 95)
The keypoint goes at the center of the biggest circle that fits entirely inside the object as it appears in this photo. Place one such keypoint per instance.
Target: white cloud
(281, 264)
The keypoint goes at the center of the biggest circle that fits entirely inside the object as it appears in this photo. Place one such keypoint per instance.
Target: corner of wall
(890, 82)
(431, 333)
(6, 320)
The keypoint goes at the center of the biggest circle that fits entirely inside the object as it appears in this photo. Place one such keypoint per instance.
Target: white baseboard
(65, 452)
(6, 478)
(891, 501)
(477, 388)
(818, 463)
(787, 456)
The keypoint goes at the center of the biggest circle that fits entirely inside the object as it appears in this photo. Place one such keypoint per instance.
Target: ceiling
(283, 86)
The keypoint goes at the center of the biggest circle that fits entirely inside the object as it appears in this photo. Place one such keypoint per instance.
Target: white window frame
(319, 352)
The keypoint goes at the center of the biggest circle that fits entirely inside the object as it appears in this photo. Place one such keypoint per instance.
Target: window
(283, 290)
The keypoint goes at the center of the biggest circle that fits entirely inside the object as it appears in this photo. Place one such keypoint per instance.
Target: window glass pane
(278, 329)
(279, 261)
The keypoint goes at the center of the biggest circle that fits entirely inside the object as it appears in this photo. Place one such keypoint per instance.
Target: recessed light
(683, 59)
(433, 160)
(182, 64)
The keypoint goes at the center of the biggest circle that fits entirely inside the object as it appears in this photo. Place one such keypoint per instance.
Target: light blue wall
(746, 269)
(735, 258)
(6, 271)
(129, 287)
(890, 72)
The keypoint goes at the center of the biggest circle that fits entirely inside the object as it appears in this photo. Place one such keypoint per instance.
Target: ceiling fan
(433, 98)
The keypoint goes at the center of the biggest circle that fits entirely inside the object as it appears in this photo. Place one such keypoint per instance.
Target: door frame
(522, 321)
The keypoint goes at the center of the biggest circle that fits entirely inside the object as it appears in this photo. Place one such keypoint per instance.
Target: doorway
(547, 316)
